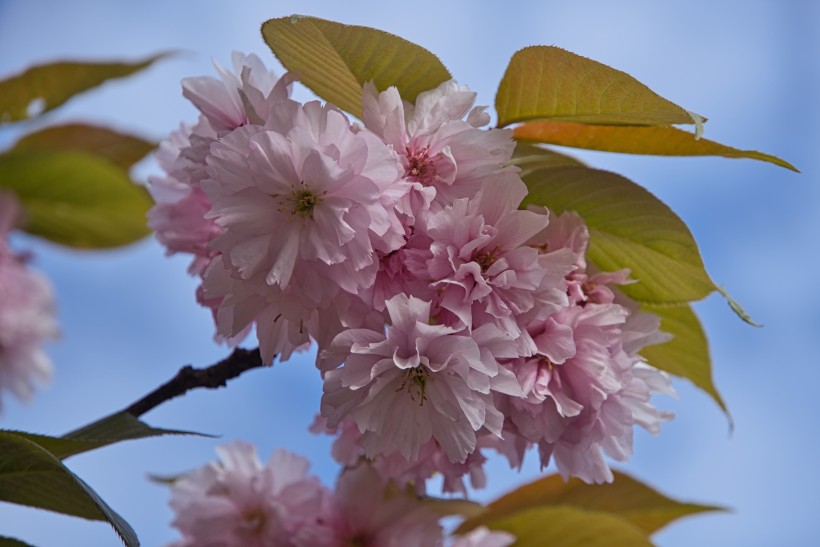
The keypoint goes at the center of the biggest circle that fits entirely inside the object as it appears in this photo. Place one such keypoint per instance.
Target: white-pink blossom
(240, 501)
(416, 382)
(27, 314)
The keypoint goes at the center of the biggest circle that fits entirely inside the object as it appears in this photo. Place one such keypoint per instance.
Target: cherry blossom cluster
(240, 501)
(27, 313)
(448, 320)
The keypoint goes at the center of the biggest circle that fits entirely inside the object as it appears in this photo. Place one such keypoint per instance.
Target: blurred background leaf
(76, 199)
(44, 87)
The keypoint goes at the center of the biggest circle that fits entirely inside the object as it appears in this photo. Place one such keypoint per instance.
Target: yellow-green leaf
(626, 498)
(334, 60)
(545, 82)
(629, 228)
(44, 87)
(30, 475)
(118, 148)
(445, 507)
(75, 198)
(687, 354)
(656, 141)
(564, 526)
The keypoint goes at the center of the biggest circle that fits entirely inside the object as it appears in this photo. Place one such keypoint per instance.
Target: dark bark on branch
(189, 378)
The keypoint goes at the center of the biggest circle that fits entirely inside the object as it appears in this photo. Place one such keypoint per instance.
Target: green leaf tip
(122, 426)
(687, 354)
(737, 308)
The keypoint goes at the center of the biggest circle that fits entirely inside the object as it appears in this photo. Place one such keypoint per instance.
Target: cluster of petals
(303, 205)
(27, 314)
(438, 140)
(449, 321)
(587, 386)
(432, 460)
(226, 104)
(240, 501)
(417, 382)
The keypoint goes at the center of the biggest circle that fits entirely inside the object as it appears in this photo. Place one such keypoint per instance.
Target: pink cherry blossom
(416, 382)
(587, 386)
(305, 194)
(27, 314)
(239, 501)
(437, 147)
(239, 98)
(304, 205)
(367, 510)
(179, 215)
(178, 218)
(483, 272)
(431, 461)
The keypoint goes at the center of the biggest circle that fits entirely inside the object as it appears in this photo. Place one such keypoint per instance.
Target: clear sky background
(129, 318)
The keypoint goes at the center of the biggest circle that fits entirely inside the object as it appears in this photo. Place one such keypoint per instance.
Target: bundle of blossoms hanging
(448, 321)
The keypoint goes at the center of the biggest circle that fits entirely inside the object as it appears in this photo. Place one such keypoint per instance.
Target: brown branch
(189, 378)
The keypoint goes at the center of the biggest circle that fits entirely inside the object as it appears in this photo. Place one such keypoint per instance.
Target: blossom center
(420, 166)
(545, 362)
(415, 382)
(253, 519)
(302, 202)
(485, 259)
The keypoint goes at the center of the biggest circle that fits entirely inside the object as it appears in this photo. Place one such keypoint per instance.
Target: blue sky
(129, 319)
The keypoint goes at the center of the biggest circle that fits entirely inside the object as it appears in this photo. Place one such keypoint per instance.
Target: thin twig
(189, 378)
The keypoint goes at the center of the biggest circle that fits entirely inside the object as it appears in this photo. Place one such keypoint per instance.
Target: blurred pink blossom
(240, 501)
(27, 314)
